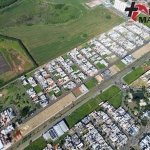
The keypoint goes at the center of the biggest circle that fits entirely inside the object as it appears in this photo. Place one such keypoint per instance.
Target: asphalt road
(108, 82)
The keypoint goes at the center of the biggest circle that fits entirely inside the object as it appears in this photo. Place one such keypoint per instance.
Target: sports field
(46, 40)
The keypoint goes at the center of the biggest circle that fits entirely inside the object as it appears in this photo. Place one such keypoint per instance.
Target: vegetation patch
(38, 144)
(116, 100)
(120, 65)
(5, 3)
(100, 66)
(89, 84)
(74, 67)
(132, 76)
(14, 94)
(109, 93)
(94, 81)
(81, 112)
(35, 24)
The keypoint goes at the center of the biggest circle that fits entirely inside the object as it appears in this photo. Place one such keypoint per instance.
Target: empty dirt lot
(4, 67)
(46, 114)
(142, 51)
(114, 69)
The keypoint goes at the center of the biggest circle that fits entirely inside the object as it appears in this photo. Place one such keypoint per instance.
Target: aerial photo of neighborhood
(74, 75)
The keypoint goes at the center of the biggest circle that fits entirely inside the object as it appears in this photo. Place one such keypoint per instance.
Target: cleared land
(17, 59)
(142, 51)
(109, 93)
(4, 66)
(47, 41)
(114, 69)
(81, 112)
(139, 83)
(132, 76)
(46, 114)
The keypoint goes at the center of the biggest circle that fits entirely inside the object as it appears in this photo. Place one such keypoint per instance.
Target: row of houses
(125, 120)
(117, 137)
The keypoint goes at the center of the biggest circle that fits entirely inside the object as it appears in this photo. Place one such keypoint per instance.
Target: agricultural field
(15, 59)
(49, 29)
(81, 112)
(132, 76)
(14, 94)
(109, 93)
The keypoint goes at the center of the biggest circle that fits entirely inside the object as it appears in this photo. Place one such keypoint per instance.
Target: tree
(108, 17)
(25, 111)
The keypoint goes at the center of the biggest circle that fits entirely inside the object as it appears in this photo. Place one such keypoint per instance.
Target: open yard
(132, 76)
(89, 84)
(109, 93)
(16, 58)
(116, 100)
(46, 39)
(120, 65)
(81, 112)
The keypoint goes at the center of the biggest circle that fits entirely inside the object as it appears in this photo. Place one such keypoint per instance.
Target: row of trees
(4, 3)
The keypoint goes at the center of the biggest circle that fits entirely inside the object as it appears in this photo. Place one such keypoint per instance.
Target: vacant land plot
(77, 92)
(139, 83)
(142, 51)
(99, 79)
(116, 100)
(109, 93)
(46, 41)
(132, 76)
(120, 65)
(4, 66)
(114, 69)
(89, 84)
(46, 114)
(81, 112)
(16, 57)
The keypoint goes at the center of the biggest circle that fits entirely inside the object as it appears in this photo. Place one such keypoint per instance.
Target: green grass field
(38, 144)
(89, 84)
(132, 76)
(120, 65)
(81, 112)
(116, 100)
(46, 41)
(109, 93)
(100, 66)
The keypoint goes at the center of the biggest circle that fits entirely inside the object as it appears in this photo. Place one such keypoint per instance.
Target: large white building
(120, 5)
